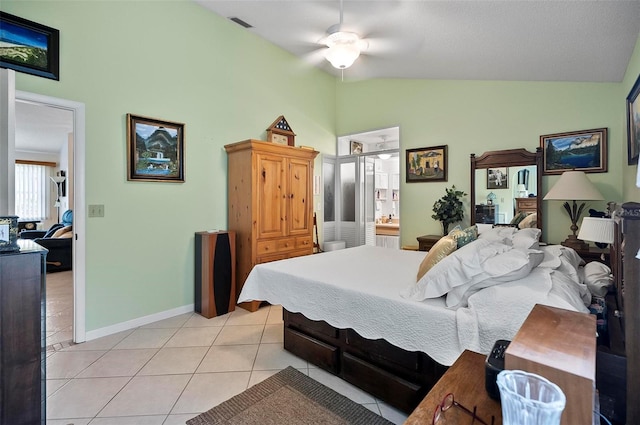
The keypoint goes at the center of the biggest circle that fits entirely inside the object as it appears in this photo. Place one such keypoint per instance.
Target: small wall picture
(427, 164)
(155, 150)
(356, 148)
(584, 150)
(498, 178)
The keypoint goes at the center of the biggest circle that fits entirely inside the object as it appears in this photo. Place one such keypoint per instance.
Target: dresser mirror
(505, 186)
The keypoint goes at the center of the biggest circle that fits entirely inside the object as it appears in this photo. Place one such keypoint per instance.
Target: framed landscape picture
(427, 164)
(155, 150)
(498, 178)
(356, 147)
(29, 47)
(633, 123)
(584, 150)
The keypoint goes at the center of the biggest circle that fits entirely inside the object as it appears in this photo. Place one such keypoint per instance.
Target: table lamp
(574, 185)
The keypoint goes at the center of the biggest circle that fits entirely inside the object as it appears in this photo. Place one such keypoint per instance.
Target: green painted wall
(631, 192)
(176, 61)
(478, 116)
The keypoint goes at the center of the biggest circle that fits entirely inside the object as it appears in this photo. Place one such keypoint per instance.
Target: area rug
(289, 397)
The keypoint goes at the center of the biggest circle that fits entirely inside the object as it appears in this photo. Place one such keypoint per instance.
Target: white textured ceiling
(524, 40)
(42, 129)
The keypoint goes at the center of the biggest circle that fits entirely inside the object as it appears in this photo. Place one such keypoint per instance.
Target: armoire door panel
(272, 196)
(299, 197)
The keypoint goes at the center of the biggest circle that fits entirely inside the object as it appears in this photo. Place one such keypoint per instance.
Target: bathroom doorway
(362, 190)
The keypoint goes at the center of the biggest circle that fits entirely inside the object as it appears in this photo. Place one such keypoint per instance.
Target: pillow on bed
(458, 268)
(529, 221)
(464, 236)
(438, 251)
(506, 267)
(598, 278)
(526, 238)
(518, 218)
(499, 234)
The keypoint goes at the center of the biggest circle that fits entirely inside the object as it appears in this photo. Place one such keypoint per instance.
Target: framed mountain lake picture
(155, 150)
(584, 150)
(29, 47)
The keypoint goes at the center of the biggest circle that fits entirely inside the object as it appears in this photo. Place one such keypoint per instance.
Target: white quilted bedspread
(360, 287)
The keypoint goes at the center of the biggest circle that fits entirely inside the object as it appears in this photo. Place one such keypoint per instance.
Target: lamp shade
(58, 179)
(596, 229)
(574, 185)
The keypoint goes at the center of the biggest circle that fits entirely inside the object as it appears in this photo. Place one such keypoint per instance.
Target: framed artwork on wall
(155, 150)
(427, 164)
(584, 150)
(633, 123)
(498, 178)
(356, 147)
(29, 47)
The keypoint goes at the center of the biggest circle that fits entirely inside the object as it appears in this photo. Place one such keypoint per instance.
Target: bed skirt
(398, 377)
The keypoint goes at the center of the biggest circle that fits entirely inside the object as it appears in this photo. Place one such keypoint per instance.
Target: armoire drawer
(304, 242)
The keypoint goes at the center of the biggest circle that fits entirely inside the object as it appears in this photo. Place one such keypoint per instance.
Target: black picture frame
(584, 150)
(29, 47)
(426, 164)
(498, 178)
(155, 150)
(633, 124)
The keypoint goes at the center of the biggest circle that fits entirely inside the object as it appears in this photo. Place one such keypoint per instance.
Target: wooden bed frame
(402, 378)
(398, 377)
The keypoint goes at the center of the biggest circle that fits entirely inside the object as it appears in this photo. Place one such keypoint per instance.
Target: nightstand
(465, 379)
(426, 242)
(595, 254)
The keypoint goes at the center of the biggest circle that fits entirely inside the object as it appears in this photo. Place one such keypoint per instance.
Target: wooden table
(465, 379)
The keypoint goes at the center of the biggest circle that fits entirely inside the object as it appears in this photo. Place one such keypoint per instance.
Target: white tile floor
(169, 371)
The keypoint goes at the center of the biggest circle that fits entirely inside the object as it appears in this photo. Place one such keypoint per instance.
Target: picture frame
(356, 147)
(29, 47)
(155, 150)
(426, 164)
(498, 178)
(633, 124)
(584, 150)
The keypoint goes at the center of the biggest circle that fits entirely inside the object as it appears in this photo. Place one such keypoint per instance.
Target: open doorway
(37, 115)
(362, 189)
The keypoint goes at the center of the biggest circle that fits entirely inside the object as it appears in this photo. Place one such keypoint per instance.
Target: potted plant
(449, 209)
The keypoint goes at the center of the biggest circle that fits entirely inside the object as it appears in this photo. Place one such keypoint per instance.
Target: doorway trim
(79, 223)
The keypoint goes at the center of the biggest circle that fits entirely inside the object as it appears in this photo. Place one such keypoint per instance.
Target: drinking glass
(529, 399)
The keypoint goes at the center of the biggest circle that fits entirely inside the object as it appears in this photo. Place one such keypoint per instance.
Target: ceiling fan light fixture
(343, 50)
(384, 155)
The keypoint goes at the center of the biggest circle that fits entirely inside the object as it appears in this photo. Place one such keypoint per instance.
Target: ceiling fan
(344, 47)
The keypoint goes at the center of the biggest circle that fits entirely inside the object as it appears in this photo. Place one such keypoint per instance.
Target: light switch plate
(96, 210)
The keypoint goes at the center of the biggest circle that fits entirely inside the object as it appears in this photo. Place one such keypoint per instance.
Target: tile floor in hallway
(169, 371)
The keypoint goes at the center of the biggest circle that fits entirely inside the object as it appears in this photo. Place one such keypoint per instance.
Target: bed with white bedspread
(373, 292)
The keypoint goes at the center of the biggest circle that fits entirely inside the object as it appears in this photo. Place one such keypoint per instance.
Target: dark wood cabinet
(487, 214)
(426, 242)
(22, 335)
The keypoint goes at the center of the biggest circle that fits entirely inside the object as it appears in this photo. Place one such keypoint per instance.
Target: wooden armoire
(270, 200)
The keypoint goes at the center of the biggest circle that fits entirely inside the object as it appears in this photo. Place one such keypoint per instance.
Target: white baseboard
(140, 321)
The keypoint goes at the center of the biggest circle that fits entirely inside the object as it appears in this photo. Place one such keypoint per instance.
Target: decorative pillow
(518, 218)
(58, 233)
(67, 235)
(464, 236)
(529, 221)
(598, 278)
(438, 251)
(483, 227)
(526, 238)
(458, 268)
(505, 267)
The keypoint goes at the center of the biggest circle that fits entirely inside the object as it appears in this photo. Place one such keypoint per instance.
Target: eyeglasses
(447, 402)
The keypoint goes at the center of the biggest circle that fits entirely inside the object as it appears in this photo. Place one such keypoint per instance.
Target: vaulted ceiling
(524, 40)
